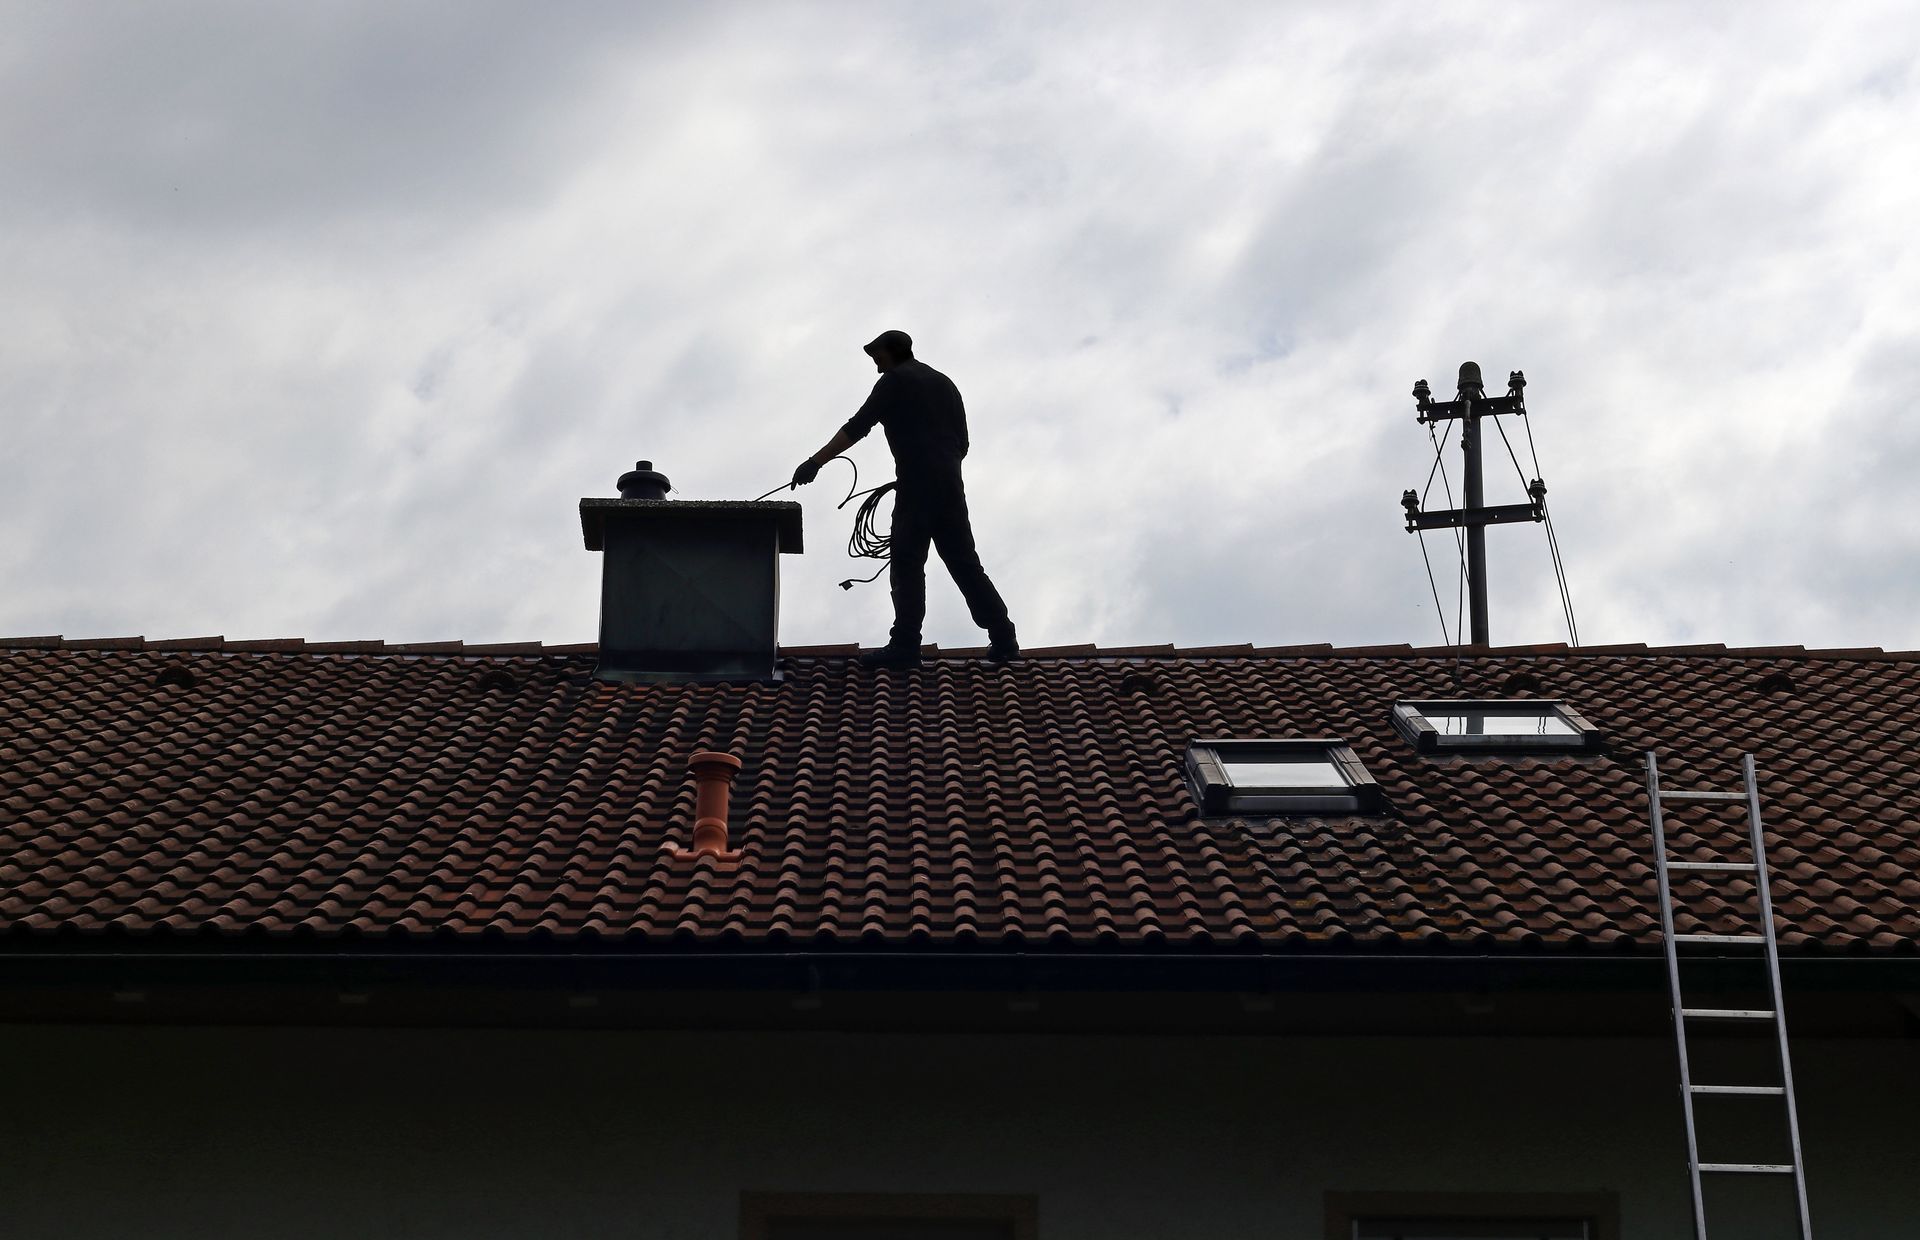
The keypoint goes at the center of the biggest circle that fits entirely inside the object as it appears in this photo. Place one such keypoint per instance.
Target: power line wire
(1460, 547)
(1439, 610)
(1553, 538)
(1553, 547)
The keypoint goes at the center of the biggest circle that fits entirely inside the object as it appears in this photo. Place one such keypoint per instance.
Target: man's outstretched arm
(810, 468)
(857, 428)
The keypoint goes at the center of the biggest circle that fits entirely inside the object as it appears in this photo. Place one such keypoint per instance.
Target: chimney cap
(643, 482)
(784, 515)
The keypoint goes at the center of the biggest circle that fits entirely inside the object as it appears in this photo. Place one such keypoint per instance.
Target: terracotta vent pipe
(713, 773)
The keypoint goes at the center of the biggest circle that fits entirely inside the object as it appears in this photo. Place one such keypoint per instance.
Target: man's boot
(1005, 648)
(891, 655)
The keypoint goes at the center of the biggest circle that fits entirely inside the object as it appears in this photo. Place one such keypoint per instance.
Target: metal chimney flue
(643, 482)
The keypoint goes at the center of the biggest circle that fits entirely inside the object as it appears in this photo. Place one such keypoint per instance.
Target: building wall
(289, 1132)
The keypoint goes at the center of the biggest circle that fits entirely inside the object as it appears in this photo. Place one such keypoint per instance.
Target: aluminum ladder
(1682, 1014)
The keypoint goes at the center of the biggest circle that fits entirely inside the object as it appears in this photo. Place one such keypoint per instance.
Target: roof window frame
(1207, 776)
(1410, 721)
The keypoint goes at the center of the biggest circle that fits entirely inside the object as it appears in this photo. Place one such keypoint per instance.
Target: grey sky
(321, 318)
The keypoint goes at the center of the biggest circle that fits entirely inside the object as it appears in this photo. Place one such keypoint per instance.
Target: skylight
(1494, 725)
(1304, 772)
(1279, 776)
(1471, 721)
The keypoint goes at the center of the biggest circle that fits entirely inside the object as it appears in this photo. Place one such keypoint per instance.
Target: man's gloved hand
(808, 471)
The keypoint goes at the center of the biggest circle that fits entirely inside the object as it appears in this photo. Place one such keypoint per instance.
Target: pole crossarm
(1453, 518)
(1479, 407)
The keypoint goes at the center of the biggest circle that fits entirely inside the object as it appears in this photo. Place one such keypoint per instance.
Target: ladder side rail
(1764, 881)
(1673, 986)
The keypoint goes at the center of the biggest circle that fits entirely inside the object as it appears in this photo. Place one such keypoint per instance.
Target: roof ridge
(1244, 650)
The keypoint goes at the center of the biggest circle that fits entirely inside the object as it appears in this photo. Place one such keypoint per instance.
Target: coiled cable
(866, 542)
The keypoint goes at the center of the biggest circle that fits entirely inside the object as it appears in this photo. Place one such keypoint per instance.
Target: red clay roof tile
(494, 793)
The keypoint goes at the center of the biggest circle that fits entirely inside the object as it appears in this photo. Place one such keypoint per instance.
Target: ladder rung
(1703, 867)
(1764, 1091)
(1703, 796)
(1727, 1013)
(1751, 1168)
(1719, 938)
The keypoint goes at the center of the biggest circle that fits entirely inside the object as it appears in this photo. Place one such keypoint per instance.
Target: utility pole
(1470, 405)
(1472, 393)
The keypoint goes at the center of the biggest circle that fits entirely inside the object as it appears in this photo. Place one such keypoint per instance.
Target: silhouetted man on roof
(926, 425)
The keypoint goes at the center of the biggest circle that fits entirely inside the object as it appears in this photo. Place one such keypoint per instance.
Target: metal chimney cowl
(689, 589)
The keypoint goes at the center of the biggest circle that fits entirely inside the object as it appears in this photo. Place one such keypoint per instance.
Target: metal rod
(1673, 985)
(1441, 410)
(1499, 514)
(1764, 882)
(1475, 498)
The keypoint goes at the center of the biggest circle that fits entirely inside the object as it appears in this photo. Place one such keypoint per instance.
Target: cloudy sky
(318, 319)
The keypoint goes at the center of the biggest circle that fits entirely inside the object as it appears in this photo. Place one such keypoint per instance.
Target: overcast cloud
(319, 319)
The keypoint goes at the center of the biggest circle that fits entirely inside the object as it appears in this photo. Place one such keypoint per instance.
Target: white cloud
(321, 322)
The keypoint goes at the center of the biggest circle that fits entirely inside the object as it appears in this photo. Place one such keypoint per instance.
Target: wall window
(887, 1216)
(1472, 1229)
(1494, 725)
(1279, 776)
(1472, 1216)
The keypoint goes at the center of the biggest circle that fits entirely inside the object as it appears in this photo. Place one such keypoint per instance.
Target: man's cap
(897, 343)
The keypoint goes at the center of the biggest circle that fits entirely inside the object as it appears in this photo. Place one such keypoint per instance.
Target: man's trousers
(934, 514)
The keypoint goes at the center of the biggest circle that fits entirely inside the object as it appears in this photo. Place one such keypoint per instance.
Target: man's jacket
(925, 421)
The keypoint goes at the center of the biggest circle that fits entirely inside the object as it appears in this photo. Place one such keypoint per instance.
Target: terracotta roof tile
(499, 793)
(267, 644)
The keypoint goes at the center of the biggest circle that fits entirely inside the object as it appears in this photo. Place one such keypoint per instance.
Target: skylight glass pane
(1482, 723)
(1303, 772)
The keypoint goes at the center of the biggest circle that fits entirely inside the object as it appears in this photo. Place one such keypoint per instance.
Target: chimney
(689, 589)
